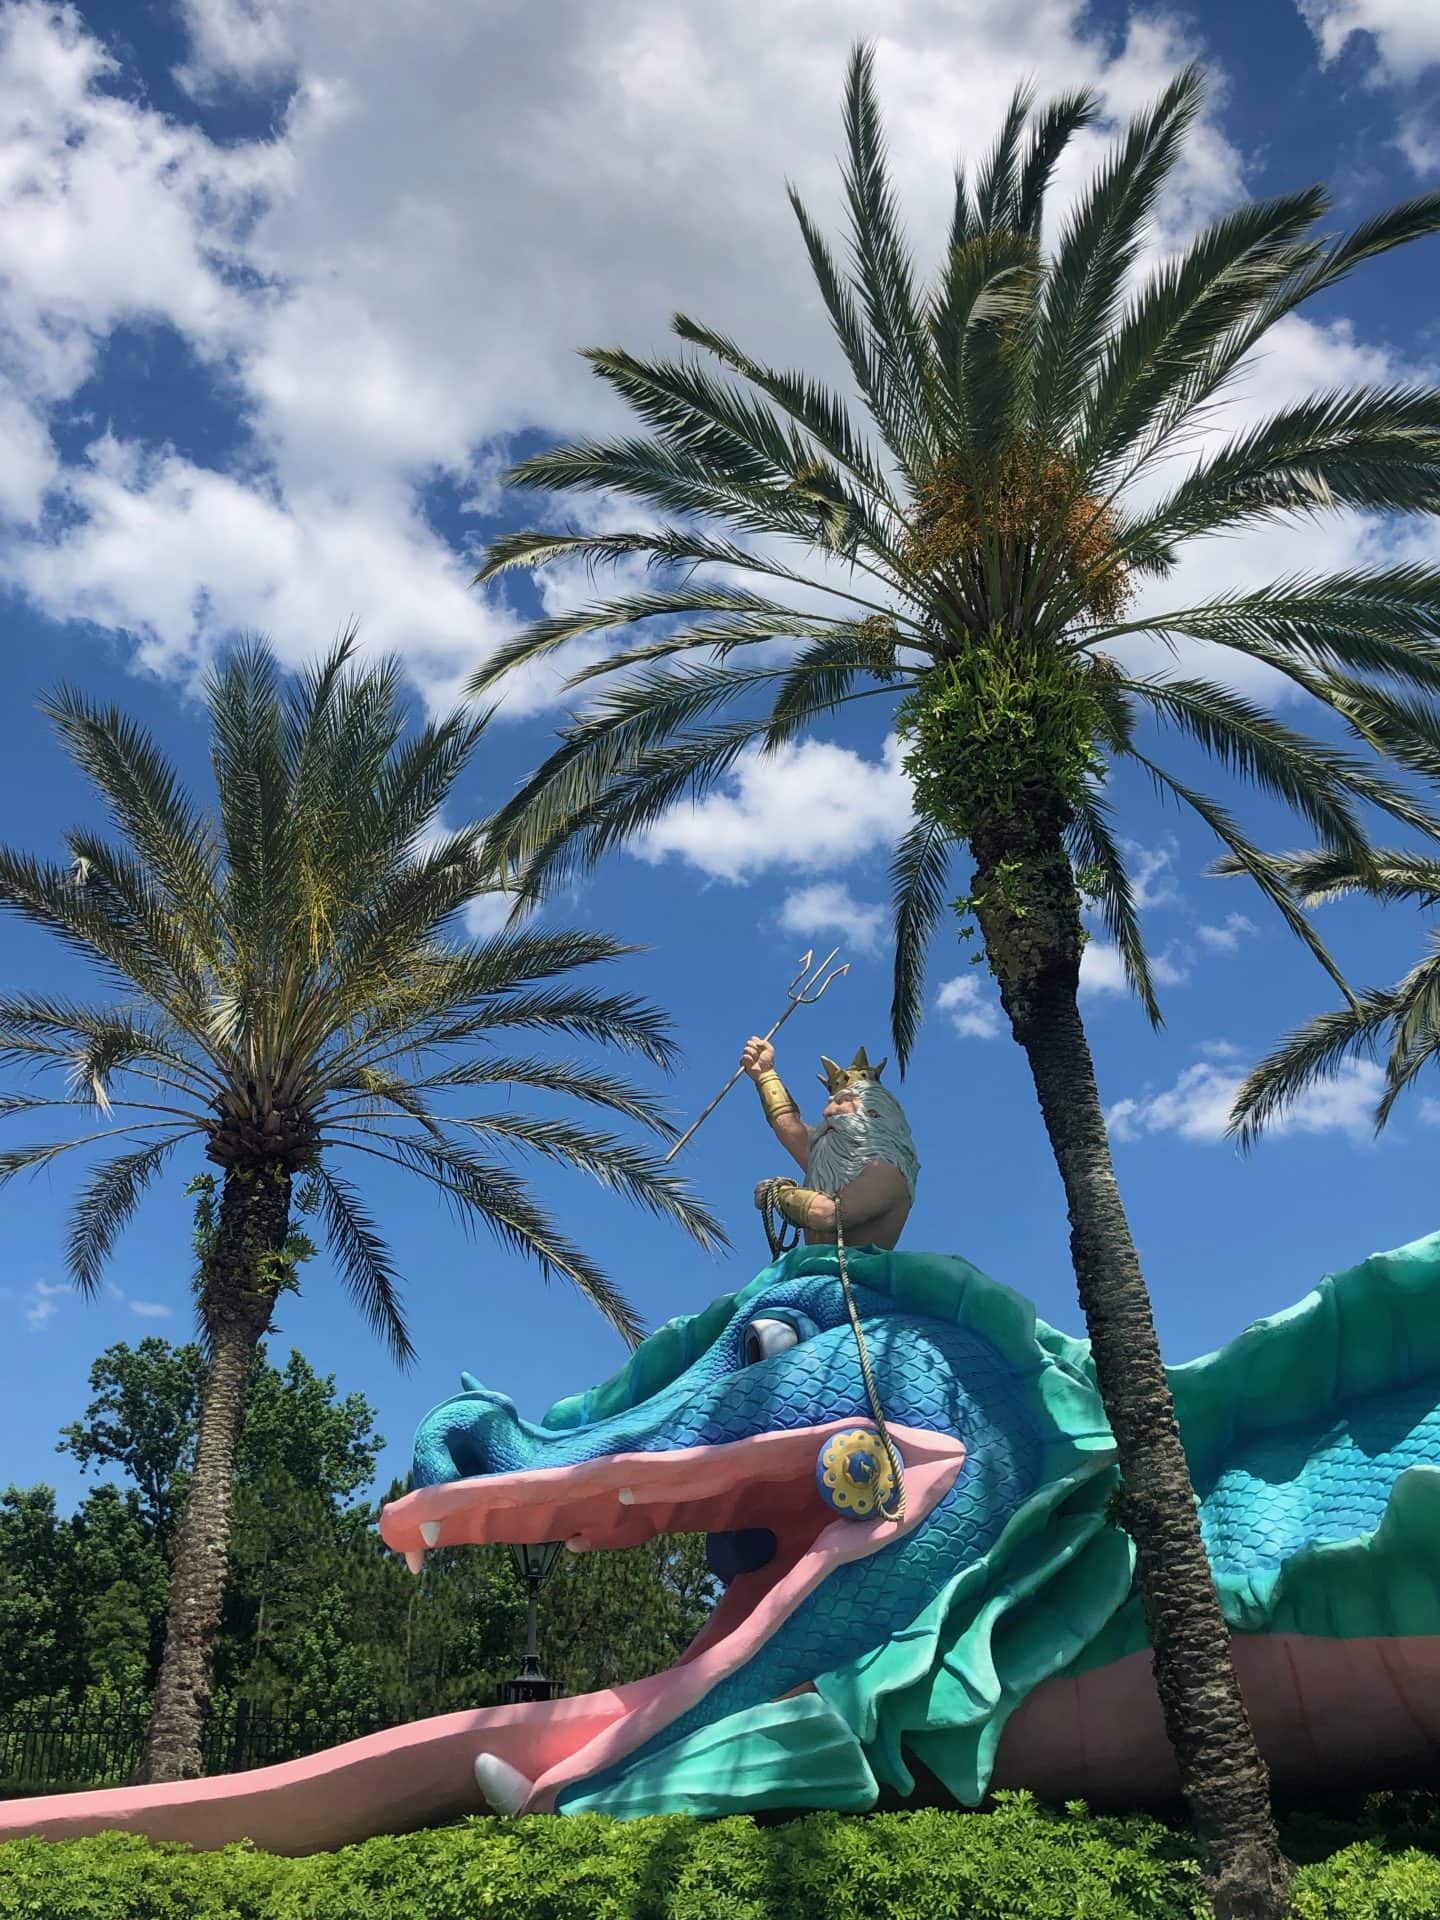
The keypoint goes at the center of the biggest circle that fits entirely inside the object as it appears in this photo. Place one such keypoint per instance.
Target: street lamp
(533, 1560)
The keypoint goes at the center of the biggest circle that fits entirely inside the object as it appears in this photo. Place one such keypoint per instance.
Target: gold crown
(836, 1078)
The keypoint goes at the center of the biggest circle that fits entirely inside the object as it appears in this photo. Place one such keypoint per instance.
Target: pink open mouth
(619, 1500)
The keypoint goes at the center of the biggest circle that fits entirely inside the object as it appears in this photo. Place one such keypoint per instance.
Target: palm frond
(104, 1206)
(741, 615)
(55, 898)
(1372, 448)
(918, 873)
(1053, 128)
(1247, 858)
(1388, 874)
(1315, 780)
(171, 838)
(609, 1161)
(887, 409)
(1311, 1053)
(1158, 355)
(821, 414)
(1095, 854)
(1382, 622)
(618, 1020)
(253, 784)
(572, 1078)
(885, 280)
(1099, 244)
(1414, 1028)
(484, 1195)
(365, 1262)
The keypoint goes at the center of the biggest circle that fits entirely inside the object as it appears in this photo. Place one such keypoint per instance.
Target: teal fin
(788, 1753)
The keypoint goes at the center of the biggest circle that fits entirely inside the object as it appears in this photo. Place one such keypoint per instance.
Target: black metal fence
(50, 1748)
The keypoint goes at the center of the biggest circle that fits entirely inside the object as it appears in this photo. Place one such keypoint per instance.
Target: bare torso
(873, 1209)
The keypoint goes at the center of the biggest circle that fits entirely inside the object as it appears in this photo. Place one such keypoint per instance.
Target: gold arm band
(795, 1204)
(774, 1095)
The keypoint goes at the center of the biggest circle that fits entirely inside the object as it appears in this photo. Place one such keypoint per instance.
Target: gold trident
(804, 990)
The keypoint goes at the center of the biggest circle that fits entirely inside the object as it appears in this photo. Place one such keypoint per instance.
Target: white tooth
(430, 1531)
(578, 1543)
(505, 1788)
(627, 1496)
(415, 1560)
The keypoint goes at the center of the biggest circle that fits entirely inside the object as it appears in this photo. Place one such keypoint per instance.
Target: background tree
(322, 1628)
(37, 1629)
(293, 987)
(966, 552)
(142, 1420)
(1402, 1020)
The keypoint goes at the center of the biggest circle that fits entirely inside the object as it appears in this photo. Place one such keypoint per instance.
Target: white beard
(843, 1147)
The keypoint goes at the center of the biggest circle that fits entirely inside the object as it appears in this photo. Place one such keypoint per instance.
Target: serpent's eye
(764, 1337)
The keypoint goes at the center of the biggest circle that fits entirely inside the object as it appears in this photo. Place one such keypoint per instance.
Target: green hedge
(1020, 1862)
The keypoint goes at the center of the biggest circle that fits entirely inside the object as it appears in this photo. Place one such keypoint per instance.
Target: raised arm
(758, 1060)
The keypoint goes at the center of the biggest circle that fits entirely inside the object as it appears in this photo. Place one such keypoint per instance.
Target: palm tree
(1405, 1016)
(287, 988)
(964, 551)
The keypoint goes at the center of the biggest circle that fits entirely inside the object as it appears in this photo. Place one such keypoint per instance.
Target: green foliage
(278, 1272)
(1019, 1862)
(142, 1420)
(37, 1629)
(987, 731)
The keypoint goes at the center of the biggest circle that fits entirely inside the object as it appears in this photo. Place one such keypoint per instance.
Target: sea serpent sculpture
(992, 1637)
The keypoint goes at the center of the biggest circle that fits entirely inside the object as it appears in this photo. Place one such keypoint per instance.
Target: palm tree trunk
(1029, 912)
(240, 1282)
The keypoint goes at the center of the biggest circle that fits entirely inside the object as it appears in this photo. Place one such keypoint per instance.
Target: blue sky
(289, 284)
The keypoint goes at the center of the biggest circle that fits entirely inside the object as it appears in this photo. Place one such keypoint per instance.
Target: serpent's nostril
(466, 1448)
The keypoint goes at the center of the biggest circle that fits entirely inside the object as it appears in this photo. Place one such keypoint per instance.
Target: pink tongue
(388, 1782)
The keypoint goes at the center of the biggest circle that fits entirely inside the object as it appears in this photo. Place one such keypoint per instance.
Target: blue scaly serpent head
(714, 1425)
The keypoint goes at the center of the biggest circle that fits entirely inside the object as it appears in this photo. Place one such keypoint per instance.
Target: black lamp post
(533, 1561)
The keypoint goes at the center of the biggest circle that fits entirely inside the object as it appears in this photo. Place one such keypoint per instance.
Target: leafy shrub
(1019, 1862)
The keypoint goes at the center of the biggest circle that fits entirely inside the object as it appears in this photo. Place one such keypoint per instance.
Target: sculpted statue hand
(757, 1056)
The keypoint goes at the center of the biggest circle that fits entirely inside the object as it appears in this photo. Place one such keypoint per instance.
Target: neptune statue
(860, 1162)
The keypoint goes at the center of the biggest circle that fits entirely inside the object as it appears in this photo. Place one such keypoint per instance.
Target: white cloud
(179, 556)
(41, 1303)
(1417, 138)
(828, 906)
(1152, 876)
(1227, 937)
(397, 278)
(1406, 33)
(394, 282)
(1199, 1104)
(150, 1309)
(1169, 968)
(487, 915)
(964, 1006)
(1429, 1111)
(1101, 969)
(814, 806)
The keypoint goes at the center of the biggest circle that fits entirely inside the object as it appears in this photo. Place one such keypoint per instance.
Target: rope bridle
(781, 1236)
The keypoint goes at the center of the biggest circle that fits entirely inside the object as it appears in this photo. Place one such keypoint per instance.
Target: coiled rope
(781, 1235)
